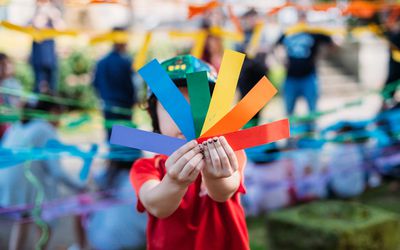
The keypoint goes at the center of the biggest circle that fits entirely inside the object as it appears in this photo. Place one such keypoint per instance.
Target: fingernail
(205, 143)
(209, 141)
(215, 139)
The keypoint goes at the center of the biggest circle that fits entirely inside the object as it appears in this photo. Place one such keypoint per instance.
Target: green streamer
(37, 210)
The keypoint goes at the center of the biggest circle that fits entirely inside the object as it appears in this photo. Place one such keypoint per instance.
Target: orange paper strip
(253, 102)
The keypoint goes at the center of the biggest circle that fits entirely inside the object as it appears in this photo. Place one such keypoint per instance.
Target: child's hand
(220, 159)
(185, 164)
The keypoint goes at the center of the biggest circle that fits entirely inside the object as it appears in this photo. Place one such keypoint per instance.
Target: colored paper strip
(170, 97)
(161, 144)
(148, 141)
(225, 88)
(199, 95)
(258, 135)
(253, 102)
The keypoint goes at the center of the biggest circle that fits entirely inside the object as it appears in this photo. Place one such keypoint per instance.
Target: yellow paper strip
(141, 57)
(225, 87)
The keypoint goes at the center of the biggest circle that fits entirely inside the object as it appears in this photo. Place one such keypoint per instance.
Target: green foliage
(24, 73)
(75, 72)
(74, 77)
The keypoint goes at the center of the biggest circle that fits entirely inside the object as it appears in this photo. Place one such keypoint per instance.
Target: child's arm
(220, 175)
(162, 198)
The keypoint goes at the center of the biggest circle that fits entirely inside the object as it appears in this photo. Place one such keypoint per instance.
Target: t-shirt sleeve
(242, 160)
(142, 171)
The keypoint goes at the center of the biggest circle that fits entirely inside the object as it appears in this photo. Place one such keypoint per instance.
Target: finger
(231, 154)
(223, 157)
(214, 155)
(181, 151)
(181, 162)
(193, 175)
(190, 166)
(207, 157)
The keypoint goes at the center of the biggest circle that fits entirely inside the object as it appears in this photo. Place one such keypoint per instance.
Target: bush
(334, 225)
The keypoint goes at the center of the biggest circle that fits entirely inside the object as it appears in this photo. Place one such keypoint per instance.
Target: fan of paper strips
(206, 116)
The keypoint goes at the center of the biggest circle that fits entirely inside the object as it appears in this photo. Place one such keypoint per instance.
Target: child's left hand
(221, 160)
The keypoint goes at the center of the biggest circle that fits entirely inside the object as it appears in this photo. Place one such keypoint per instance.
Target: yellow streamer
(302, 27)
(396, 55)
(225, 87)
(255, 41)
(38, 34)
(230, 35)
(200, 38)
(141, 57)
(199, 44)
(113, 36)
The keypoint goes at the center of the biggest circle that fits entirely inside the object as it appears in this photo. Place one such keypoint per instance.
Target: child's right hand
(185, 164)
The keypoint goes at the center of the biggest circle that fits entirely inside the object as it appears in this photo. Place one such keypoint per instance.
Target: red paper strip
(257, 136)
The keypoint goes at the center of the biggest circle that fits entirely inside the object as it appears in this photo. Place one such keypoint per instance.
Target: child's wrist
(175, 183)
(211, 177)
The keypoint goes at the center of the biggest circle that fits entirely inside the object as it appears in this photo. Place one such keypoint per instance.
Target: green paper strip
(199, 94)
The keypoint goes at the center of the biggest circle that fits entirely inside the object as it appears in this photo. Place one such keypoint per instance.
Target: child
(15, 188)
(192, 197)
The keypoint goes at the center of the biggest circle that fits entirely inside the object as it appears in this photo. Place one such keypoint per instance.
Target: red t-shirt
(199, 223)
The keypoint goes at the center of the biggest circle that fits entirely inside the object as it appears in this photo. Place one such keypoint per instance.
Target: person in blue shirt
(113, 82)
(301, 81)
(43, 55)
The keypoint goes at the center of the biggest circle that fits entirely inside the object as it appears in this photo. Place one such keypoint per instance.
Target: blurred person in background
(8, 81)
(392, 34)
(301, 80)
(113, 82)
(43, 55)
(214, 47)
(254, 68)
(15, 188)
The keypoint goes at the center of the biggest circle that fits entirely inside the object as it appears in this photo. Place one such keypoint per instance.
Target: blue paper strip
(170, 97)
(148, 141)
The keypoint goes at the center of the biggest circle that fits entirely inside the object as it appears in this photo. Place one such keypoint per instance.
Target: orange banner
(195, 10)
